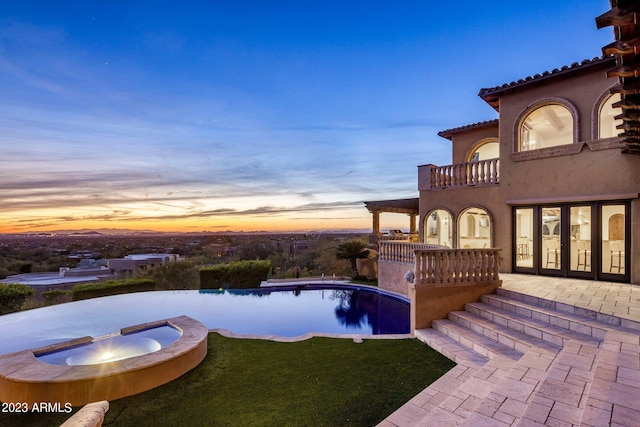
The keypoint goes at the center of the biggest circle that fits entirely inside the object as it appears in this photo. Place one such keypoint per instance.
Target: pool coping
(336, 284)
(277, 338)
(27, 380)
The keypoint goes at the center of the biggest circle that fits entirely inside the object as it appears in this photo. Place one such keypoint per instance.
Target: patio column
(376, 222)
(412, 223)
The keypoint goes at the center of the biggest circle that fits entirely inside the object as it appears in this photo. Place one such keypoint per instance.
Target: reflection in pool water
(114, 347)
(286, 312)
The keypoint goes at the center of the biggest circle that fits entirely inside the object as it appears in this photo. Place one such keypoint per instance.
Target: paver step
(542, 362)
(479, 343)
(577, 323)
(608, 319)
(535, 328)
(502, 334)
(450, 348)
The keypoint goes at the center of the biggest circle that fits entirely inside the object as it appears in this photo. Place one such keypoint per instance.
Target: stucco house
(551, 183)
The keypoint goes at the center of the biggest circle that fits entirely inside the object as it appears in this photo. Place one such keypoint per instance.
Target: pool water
(286, 312)
(114, 347)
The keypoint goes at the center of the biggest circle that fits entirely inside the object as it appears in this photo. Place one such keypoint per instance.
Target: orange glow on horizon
(235, 224)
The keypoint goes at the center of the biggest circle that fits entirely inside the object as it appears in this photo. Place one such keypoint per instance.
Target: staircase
(524, 361)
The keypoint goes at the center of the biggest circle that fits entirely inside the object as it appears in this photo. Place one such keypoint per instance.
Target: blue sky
(251, 115)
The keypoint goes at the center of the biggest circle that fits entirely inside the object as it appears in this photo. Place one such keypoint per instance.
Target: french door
(587, 240)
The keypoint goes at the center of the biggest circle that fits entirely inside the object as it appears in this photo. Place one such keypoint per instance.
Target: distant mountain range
(127, 232)
(87, 233)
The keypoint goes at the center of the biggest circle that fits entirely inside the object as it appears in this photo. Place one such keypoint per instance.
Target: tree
(353, 250)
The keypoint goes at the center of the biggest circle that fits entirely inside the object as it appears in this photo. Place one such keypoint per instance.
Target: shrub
(12, 297)
(214, 277)
(111, 287)
(56, 296)
(236, 275)
(173, 275)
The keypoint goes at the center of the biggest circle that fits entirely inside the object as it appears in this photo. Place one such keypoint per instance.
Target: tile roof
(491, 95)
(450, 132)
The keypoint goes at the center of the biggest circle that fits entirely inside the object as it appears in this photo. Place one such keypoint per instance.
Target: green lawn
(317, 382)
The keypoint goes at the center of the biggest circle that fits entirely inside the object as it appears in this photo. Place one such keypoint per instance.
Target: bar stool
(617, 251)
(584, 249)
(553, 252)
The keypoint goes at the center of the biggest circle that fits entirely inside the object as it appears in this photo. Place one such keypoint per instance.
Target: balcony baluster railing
(437, 265)
(482, 172)
(453, 266)
(401, 251)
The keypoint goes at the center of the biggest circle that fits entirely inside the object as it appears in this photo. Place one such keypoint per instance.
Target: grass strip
(317, 382)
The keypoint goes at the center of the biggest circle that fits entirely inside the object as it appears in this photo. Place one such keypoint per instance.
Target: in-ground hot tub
(89, 370)
(136, 341)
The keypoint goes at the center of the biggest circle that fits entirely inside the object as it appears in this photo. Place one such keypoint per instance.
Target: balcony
(470, 174)
(437, 265)
(436, 279)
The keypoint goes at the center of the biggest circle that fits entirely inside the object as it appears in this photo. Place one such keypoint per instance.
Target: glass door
(614, 242)
(589, 241)
(551, 244)
(580, 254)
(523, 235)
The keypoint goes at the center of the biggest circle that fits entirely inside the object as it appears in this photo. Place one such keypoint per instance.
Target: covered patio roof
(405, 206)
(409, 207)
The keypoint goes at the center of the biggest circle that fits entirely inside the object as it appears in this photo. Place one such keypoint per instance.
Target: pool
(280, 311)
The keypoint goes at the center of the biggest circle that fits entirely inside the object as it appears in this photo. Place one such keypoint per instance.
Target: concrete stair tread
(548, 332)
(503, 334)
(450, 348)
(579, 323)
(602, 319)
(479, 343)
(521, 363)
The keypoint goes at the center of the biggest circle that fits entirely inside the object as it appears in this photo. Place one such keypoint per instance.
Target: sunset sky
(251, 115)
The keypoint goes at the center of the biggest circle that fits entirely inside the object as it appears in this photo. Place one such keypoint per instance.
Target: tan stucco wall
(465, 142)
(391, 276)
(456, 200)
(597, 171)
(429, 303)
(589, 175)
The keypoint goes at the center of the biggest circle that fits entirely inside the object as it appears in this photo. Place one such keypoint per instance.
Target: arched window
(546, 126)
(606, 122)
(484, 150)
(474, 228)
(438, 228)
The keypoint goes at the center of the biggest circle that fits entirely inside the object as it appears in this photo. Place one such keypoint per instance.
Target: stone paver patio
(543, 352)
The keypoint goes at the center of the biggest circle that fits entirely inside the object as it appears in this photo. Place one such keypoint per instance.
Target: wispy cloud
(128, 216)
(220, 115)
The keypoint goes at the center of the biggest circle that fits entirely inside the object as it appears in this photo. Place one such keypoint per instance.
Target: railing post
(425, 177)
